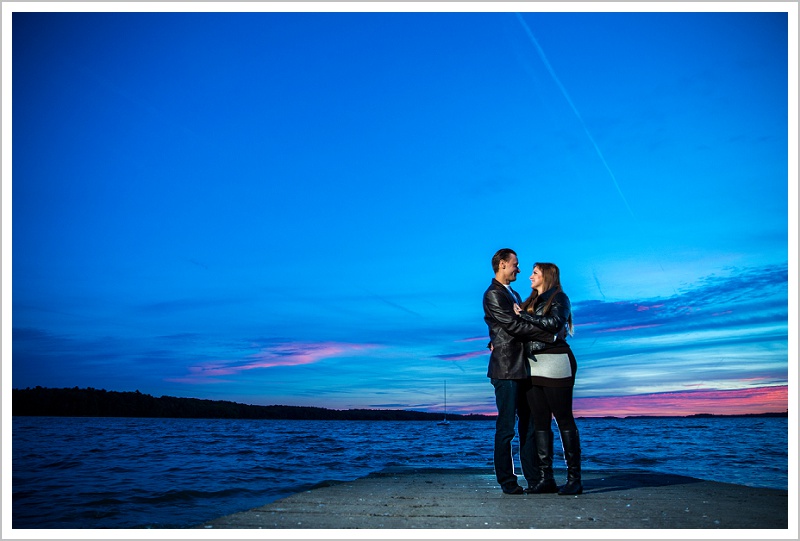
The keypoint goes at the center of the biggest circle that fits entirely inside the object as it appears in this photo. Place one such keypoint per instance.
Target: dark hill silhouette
(91, 402)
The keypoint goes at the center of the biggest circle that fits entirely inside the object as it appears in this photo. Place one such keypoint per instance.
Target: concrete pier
(458, 499)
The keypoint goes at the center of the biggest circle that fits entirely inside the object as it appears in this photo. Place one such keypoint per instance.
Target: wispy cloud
(298, 353)
(463, 356)
(628, 328)
(181, 305)
(743, 297)
(276, 355)
(392, 303)
(704, 329)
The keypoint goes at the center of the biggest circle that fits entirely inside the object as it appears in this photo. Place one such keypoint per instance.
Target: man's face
(509, 269)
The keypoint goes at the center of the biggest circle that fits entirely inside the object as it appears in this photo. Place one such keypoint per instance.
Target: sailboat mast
(445, 421)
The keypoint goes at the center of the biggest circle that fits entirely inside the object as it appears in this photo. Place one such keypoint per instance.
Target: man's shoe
(545, 486)
(572, 488)
(513, 490)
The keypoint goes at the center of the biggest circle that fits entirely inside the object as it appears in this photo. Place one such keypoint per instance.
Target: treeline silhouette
(90, 402)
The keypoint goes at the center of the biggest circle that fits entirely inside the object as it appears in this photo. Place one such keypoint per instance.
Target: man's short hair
(503, 254)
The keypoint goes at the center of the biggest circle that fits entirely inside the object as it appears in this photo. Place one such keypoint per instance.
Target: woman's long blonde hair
(552, 280)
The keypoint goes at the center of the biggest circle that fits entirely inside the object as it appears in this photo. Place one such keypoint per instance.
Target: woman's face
(537, 280)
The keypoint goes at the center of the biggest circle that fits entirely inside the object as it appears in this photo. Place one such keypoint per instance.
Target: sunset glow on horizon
(684, 403)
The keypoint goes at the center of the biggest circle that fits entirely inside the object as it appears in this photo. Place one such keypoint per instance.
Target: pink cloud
(681, 403)
(300, 353)
(642, 307)
(288, 354)
(726, 312)
(629, 328)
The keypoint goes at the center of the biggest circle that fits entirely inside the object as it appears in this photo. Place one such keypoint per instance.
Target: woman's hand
(517, 309)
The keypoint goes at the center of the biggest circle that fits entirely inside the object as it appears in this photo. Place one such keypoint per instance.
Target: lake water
(175, 473)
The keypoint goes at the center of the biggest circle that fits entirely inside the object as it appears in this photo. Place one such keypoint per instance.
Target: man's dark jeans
(512, 404)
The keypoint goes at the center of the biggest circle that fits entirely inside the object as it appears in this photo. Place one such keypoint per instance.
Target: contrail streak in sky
(575, 110)
(597, 281)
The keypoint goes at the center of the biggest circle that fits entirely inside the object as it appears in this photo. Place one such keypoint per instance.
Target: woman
(553, 368)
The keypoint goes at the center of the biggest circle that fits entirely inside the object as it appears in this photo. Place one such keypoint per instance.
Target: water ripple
(174, 473)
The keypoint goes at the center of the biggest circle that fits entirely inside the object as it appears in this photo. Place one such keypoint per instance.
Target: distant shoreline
(90, 402)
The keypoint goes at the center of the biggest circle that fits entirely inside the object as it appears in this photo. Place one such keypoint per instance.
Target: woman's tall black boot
(544, 450)
(572, 455)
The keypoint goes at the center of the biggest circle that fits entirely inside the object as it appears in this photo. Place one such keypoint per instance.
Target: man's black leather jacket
(555, 321)
(508, 333)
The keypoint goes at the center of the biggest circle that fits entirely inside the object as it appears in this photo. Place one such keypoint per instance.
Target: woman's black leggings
(549, 402)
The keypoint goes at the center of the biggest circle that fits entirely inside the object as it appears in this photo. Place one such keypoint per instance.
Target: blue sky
(301, 208)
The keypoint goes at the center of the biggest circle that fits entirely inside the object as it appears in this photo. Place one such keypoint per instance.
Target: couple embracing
(532, 369)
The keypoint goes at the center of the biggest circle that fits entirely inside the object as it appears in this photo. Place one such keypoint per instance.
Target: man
(509, 373)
